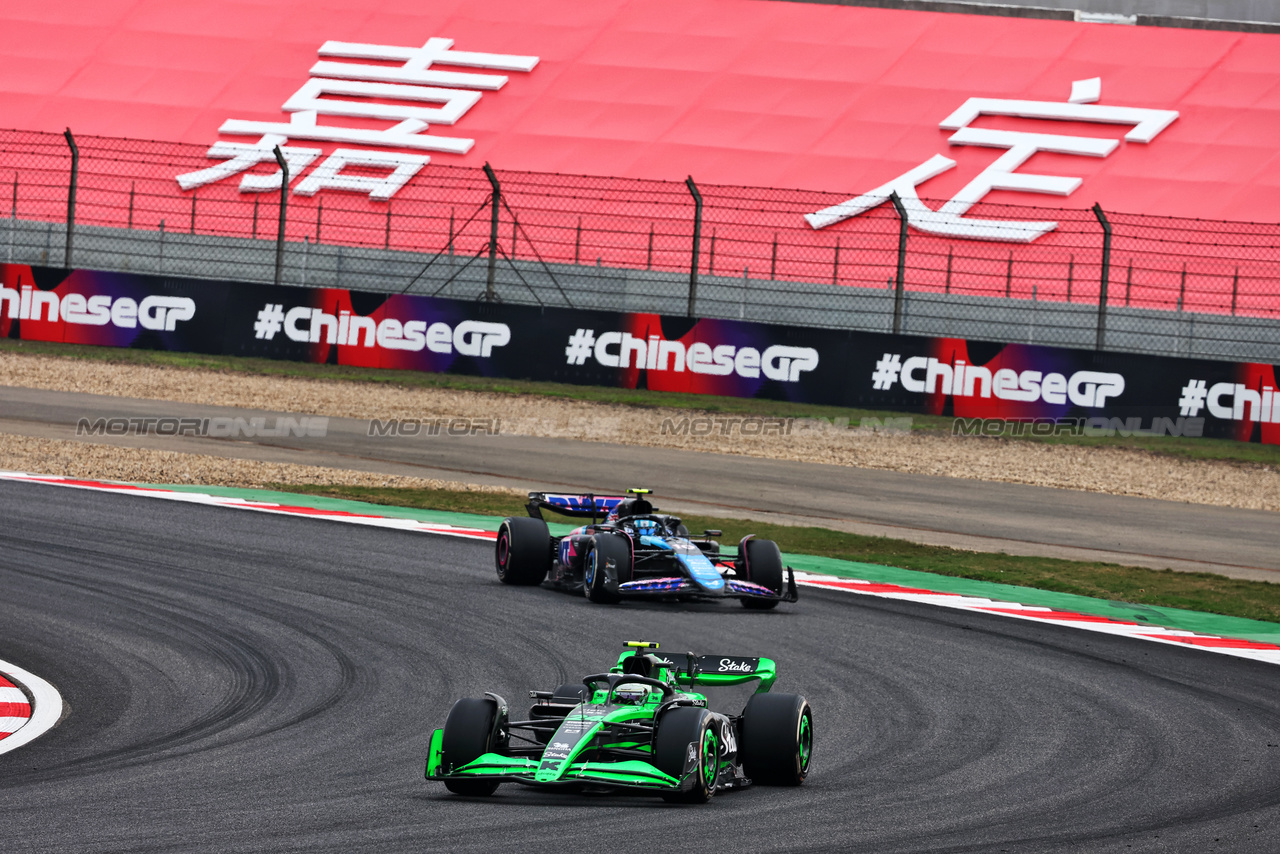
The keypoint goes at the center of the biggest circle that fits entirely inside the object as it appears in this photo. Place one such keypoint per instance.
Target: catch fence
(1098, 279)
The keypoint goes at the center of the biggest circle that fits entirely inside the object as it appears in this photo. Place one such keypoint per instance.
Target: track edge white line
(46, 707)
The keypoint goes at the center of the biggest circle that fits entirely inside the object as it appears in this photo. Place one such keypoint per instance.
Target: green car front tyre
(677, 730)
(468, 734)
(777, 739)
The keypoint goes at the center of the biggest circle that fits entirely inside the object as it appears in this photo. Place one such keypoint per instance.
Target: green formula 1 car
(638, 727)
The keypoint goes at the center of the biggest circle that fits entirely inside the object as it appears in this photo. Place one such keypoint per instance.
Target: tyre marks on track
(1239, 647)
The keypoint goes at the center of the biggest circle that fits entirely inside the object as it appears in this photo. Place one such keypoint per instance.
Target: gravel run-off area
(1117, 471)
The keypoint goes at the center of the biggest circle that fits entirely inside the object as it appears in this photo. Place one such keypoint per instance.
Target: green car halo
(638, 727)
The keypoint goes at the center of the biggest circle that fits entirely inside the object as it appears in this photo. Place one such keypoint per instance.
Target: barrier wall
(947, 376)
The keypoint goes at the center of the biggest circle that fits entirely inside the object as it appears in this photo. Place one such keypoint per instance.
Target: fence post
(1101, 342)
(13, 216)
(284, 198)
(71, 197)
(697, 240)
(900, 282)
(496, 200)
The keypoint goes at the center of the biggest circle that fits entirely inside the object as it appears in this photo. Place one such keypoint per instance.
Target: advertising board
(1046, 387)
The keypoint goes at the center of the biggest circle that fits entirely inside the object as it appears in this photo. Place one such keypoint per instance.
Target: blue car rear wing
(588, 506)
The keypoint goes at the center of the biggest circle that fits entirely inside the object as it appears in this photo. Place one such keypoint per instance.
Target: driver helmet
(630, 695)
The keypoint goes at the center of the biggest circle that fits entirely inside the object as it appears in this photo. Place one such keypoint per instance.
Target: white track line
(1241, 648)
(440, 528)
(1256, 650)
(45, 711)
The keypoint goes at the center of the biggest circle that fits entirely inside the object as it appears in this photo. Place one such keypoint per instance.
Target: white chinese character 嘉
(402, 95)
(241, 157)
(418, 61)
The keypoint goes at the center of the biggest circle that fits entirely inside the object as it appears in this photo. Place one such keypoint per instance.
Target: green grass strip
(1198, 602)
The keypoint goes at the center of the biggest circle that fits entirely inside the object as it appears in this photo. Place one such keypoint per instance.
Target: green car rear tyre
(777, 739)
(468, 734)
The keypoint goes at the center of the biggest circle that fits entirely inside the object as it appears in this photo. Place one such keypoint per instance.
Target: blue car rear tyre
(522, 552)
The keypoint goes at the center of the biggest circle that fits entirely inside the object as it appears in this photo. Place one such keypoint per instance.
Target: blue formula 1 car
(628, 550)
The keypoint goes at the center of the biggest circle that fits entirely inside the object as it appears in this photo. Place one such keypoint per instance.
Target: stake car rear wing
(713, 670)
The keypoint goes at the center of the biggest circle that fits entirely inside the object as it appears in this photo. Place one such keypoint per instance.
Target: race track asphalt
(240, 682)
